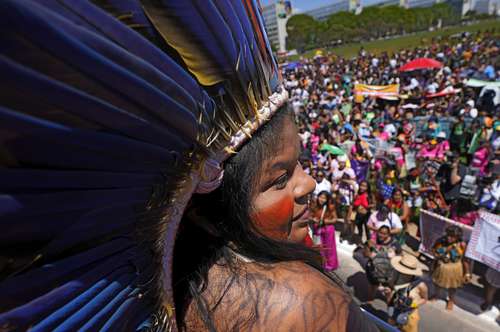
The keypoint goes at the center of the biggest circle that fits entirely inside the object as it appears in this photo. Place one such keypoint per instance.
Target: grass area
(410, 41)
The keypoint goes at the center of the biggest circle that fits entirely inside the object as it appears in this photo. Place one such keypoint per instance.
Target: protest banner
(391, 90)
(484, 245)
(420, 124)
(432, 227)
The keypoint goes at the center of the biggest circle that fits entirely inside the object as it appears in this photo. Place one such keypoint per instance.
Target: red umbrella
(421, 63)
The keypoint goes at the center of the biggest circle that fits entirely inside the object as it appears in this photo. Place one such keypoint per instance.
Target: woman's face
(383, 234)
(322, 200)
(397, 196)
(363, 187)
(283, 189)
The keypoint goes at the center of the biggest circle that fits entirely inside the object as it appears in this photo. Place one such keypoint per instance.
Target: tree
(301, 30)
(374, 22)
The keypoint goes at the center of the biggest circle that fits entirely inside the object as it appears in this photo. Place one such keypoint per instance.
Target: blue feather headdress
(112, 113)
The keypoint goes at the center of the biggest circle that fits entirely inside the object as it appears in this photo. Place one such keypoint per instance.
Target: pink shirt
(480, 159)
(431, 152)
(398, 155)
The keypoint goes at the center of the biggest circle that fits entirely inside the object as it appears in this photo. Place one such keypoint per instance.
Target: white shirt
(432, 88)
(390, 129)
(324, 185)
(392, 221)
(413, 84)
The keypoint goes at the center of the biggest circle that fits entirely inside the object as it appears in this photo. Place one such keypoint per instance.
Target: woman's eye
(281, 182)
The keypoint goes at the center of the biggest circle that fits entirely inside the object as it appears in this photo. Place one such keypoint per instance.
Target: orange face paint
(274, 220)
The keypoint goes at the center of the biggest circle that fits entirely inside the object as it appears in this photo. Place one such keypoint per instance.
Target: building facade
(322, 13)
(275, 17)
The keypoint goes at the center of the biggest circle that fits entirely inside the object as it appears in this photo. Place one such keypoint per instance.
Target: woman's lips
(303, 214)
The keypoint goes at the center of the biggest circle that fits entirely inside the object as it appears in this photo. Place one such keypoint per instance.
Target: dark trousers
(362, 223)
(345, 233)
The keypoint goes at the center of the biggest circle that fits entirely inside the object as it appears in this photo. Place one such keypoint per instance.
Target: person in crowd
(322, 183)
(458, 135)
(346, 189)
(451, 268)
(361, 206)
(377, 255)
(492, 278)
(452, 175)
(398, 205)
(490, 196)
(464, 212)
(324, 216)
(406, 298)
(443, 144)
(383, 216)
(480, 158)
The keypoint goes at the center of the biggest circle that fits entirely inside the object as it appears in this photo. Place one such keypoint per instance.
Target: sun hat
(407, 264)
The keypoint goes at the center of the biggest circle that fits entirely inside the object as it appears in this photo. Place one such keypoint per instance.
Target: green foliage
(420, 39)
(374, 22)
(301, 30)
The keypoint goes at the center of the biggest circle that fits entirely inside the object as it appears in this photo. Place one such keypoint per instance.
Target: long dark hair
(219, 220)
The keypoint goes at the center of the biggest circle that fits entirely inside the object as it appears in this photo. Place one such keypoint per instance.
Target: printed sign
(377, 90)
(484, 245)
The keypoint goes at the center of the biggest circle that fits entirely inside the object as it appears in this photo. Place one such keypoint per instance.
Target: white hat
(342, 158)
(441, 134)
(470, 102)
(474, 112)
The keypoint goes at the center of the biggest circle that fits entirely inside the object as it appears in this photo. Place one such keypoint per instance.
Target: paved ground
(465, 317)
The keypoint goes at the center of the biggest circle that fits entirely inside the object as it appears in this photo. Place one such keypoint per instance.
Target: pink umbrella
(421, 63)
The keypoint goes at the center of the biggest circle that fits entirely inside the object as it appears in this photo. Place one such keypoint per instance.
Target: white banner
(484, 245)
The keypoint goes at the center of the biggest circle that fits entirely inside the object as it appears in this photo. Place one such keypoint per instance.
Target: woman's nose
(305, 186)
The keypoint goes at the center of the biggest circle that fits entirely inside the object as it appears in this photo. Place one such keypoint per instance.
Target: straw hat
(407, 264)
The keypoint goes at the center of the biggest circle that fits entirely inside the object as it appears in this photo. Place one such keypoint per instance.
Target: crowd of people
(379, 161)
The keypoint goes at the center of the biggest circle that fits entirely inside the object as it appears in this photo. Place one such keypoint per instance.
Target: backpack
(380, 268)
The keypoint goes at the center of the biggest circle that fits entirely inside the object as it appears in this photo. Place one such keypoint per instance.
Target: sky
(304, 5)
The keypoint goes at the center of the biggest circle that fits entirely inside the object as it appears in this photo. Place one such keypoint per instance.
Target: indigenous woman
(451, 269)
(150, 178)
(398, 205)
(325, 217)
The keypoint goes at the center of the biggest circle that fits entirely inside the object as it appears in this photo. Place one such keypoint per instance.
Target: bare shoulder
(289, 296)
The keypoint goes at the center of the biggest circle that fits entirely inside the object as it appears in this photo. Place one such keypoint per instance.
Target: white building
(490, 7)
(322, 13)
(275, 17)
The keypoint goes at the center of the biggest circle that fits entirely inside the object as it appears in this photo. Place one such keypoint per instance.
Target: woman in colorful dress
(451, 268)
(398, 205)
(325, 216)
